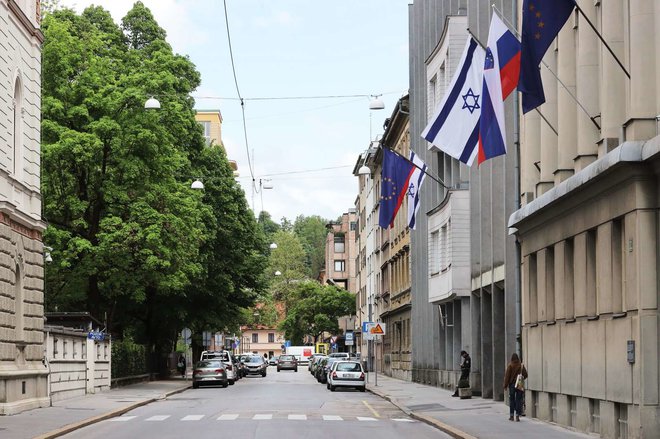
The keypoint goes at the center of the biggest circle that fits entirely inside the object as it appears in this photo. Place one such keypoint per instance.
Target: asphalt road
(281, 405)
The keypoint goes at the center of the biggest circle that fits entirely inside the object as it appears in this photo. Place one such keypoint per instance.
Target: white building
(23, 377)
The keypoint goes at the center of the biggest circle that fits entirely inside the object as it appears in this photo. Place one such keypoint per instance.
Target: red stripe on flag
(402, 194)
(509, 75)
(481, 156)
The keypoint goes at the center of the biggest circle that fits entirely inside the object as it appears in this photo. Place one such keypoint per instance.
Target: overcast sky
(287, 48)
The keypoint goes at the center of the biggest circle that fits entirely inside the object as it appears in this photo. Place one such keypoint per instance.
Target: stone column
(567, 107)
(613, 80)
(588, 71)
(643, 87)
(548, 136)
(530, 153)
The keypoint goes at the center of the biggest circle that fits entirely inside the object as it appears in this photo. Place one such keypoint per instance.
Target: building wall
(589, 228)
(23, 378)
(262, 346)
(346, 228)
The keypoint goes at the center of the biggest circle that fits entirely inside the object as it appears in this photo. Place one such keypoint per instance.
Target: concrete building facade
(211, 122)
(23, 377)
(464, 284)
(589, 228)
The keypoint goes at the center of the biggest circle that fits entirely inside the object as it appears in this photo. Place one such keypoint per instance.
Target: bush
(128, 359)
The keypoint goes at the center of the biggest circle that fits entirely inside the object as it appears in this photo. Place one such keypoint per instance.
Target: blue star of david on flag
(475, 101)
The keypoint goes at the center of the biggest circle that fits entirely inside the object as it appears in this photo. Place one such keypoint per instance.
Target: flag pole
(513, 29)
(431, 176)
(602, 40)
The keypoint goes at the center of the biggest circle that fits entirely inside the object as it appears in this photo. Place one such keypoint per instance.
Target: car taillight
(362, 376)
(334, 374)
(219, 371)
(197, 372)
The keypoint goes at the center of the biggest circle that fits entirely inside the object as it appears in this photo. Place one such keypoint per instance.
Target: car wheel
(333, 388)
(278, 369)
(225, 385)
(231, 382)
(363, 389)
(295, 370)
(195, 385)
(263, 374)
(327, 386)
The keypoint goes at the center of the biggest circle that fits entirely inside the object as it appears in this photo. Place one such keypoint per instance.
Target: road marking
(158, 418)
(123, 418)
(262, 417)
(228, 417)
(192, 418)
(297, 417)
(402, 420)
(371, 408)
(332, 418)
(366, 418)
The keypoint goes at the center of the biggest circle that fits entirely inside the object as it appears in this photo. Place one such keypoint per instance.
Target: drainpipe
(516, 137)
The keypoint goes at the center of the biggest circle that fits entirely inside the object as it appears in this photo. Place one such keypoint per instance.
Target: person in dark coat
(466, 364)
(514, 368)
(181, 366)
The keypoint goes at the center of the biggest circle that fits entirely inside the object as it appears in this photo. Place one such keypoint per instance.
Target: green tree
(289, 260)
(131, 240)
(314, 310)
(312, 232)
(268, 226)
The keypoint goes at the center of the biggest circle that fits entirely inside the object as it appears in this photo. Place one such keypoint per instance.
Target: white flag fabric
(454, 128)
(416, 180)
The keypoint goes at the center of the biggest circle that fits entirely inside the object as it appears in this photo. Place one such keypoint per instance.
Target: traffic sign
(378, 329)
(333, 339)
(366, 326)
(349, 338)
(185, 335)
(96, 335)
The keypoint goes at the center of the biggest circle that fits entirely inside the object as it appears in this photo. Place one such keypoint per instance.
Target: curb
(112, 414)
(452, 431)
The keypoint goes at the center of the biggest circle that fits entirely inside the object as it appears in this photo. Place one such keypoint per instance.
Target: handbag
(520, 380)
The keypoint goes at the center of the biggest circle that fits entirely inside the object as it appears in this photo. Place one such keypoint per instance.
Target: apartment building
(23, 377)
(211, 122)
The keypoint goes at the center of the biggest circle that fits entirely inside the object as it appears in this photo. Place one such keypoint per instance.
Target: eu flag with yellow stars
(395, 182)
(541, 22)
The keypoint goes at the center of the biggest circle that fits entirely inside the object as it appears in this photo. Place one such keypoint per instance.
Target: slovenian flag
(500, 78)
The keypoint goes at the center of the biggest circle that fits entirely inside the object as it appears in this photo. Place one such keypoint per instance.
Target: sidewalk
(462, 418)
(71, 414)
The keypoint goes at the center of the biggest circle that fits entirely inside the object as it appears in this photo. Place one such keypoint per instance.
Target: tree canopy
(130, 239)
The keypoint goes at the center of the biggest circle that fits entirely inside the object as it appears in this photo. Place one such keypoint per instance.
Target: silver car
(346, 374)
(225, 357)
(210, 372)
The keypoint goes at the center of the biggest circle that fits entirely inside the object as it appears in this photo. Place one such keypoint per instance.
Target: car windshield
(286, 357)
(208, 364)
(255, 360)
(224, 356)
(349, 367)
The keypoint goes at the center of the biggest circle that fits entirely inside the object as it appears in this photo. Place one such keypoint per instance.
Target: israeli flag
(454, 128)
(416, 180)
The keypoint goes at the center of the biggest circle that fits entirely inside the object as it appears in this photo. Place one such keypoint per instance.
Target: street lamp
(278, 273)
(152, 104)
(273, 246)
(376, 103)
(197, 184)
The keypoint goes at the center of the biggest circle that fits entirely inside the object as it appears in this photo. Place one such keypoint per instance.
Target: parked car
(346, 374)
(314, 362)
(339, 355)
(272, 361)
(226, 357)
(210, 372)
(256, 365)
(240, 366)
(322, 376)
(287, 362)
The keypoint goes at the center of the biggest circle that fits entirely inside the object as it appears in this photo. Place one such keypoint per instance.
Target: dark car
(256, 365)
(210, 372)
(326, 364)
(287, 362)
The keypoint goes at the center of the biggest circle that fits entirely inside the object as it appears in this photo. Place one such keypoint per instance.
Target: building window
(340, 265)
(353, 225)
(569, 296)
(617, 265)
(339, 244)
(434, 253)
(206, 125)
(271, 337)
(17, 128)
(255, 337)
(591, 274)
(533, 289)
(19, 307)
(444, 247)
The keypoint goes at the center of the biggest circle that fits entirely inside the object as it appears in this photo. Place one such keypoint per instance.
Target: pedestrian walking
(181, 366)
(514, 380)
(464, 380)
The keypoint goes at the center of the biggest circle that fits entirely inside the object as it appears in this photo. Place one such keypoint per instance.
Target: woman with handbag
(514, 380)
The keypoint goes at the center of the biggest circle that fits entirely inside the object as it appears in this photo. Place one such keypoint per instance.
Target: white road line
(228, 417)
(332, 418)
(158, 418)
(366, 418)
(123, 418)
(262, 417)
(402, 420)
(298, 417)
(192, 418)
